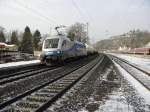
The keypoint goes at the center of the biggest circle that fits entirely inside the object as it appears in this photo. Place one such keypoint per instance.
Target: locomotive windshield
(51, 43)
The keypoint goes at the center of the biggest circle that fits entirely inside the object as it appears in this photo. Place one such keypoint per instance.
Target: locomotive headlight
(46, 53)
(58, 52)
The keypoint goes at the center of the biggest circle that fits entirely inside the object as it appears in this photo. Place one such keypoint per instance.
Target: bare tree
(2, 29)
(77, 32)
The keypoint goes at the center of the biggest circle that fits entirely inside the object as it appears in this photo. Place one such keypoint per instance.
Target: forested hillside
(132, 39)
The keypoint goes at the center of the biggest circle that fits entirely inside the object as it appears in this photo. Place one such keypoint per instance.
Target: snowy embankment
(140, 62)
(145, 93)
(20, 63)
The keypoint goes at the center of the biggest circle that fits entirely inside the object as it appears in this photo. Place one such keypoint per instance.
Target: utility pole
(50, 31)
(87, 26)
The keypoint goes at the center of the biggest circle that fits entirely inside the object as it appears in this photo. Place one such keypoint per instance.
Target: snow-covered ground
(12, 64)
(145, 93)
(141, 62)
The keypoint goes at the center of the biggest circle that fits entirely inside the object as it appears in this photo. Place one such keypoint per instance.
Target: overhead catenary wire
(83, 15)
(35, 12)
(46, 4)
(78, 9)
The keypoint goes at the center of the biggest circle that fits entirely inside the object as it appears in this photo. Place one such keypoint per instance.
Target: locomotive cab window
(51, 43)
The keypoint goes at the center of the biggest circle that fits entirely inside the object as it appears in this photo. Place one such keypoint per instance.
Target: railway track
(58, 86)
(133, 65)
(34, 70)
(24, 74)
(14, 88)
(6, 72)
(139, 74)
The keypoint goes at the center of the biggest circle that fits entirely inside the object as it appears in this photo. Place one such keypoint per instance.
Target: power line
(78, 9)
(81, 12)
(35, 12)
(83, 15)
(44, 5)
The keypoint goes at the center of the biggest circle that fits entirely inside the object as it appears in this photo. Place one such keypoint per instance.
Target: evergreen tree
(36, 40)
(27, 44)
(2, 37)
(14, 38)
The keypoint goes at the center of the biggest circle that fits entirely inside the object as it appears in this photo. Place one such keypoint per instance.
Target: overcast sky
(106, 17)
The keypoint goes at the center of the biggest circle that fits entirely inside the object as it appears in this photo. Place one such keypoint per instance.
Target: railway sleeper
(43, 94)
(56, 87)
(18, 110)
(64, 83)
(67, 81)
(70, 79)
(41, 99)
(27, 104)
(46, 90)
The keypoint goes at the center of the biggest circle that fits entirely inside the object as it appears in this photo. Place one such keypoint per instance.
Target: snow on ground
(116, 103)
(141, 62)
(103, 90)
(145, 93)
(12, 64)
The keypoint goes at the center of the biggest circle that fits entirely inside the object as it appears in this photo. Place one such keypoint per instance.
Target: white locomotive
(59, 48)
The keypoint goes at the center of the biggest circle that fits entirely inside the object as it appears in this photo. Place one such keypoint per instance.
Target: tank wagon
(90, 49)
(60, 48)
